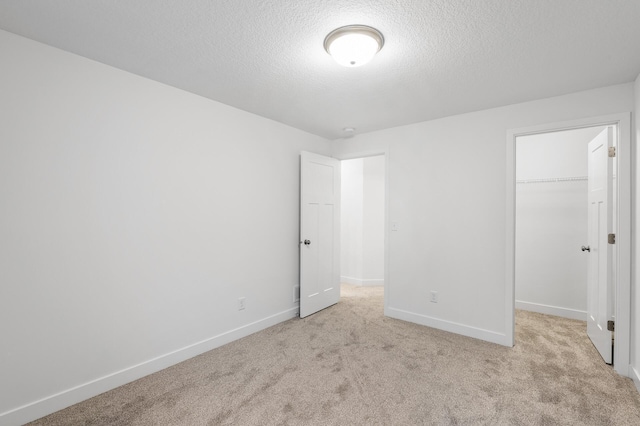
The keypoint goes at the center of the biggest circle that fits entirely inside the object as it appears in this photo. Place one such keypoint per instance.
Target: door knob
(587, 248)
(307, 242)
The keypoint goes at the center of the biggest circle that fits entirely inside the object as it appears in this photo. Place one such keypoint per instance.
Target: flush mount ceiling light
(353, 45)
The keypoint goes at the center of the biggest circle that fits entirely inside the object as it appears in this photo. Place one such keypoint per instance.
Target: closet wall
(551, 222)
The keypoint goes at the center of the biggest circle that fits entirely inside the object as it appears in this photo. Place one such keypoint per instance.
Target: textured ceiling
(441, 57)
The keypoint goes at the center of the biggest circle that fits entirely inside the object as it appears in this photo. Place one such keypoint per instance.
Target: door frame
(622, 310)
(376, 153)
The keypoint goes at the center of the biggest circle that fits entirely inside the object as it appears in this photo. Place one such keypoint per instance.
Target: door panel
(319, 232)
(600, 225)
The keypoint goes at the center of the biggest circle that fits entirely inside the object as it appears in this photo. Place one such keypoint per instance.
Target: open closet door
(319, 233)
(599, 282)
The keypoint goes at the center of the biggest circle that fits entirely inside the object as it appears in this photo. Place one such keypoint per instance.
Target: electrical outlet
(434, 297)
(296, 293)
(241, 304)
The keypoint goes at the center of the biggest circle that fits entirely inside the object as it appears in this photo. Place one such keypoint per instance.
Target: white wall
(551, 223)
(373, 221)
(133, 217)
(635, 221)
(362, 218)
(447, 189)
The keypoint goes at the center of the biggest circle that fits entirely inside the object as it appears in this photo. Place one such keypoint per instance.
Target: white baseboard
(452, 327)
(350, 280)
(53, 403)
(361, 282)
(635, 376)
(552, 310)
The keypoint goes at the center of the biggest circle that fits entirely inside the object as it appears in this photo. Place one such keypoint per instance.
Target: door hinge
(612, 238)
(612, 151)
(611, 325)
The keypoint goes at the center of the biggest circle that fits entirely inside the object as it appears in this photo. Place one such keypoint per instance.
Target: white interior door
(599, 295)
(319, 233)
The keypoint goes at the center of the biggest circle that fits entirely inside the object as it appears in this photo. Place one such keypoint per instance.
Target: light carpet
(349, 365)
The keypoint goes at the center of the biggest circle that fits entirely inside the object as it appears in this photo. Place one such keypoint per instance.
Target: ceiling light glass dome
(353, 45)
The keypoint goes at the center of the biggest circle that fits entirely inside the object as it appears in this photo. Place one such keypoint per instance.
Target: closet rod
(559, 179)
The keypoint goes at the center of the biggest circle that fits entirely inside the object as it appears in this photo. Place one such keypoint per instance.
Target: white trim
(361, 282)
(552, 310)
(510, 241)
(350, 280)
(452, 327)
(66, 398)
(359, 154)
(622, 351)
(387, 229)
(623, 233)
(635, 376)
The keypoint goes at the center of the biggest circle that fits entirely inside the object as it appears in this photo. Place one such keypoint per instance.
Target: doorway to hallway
(362, 229)
(320, 227)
